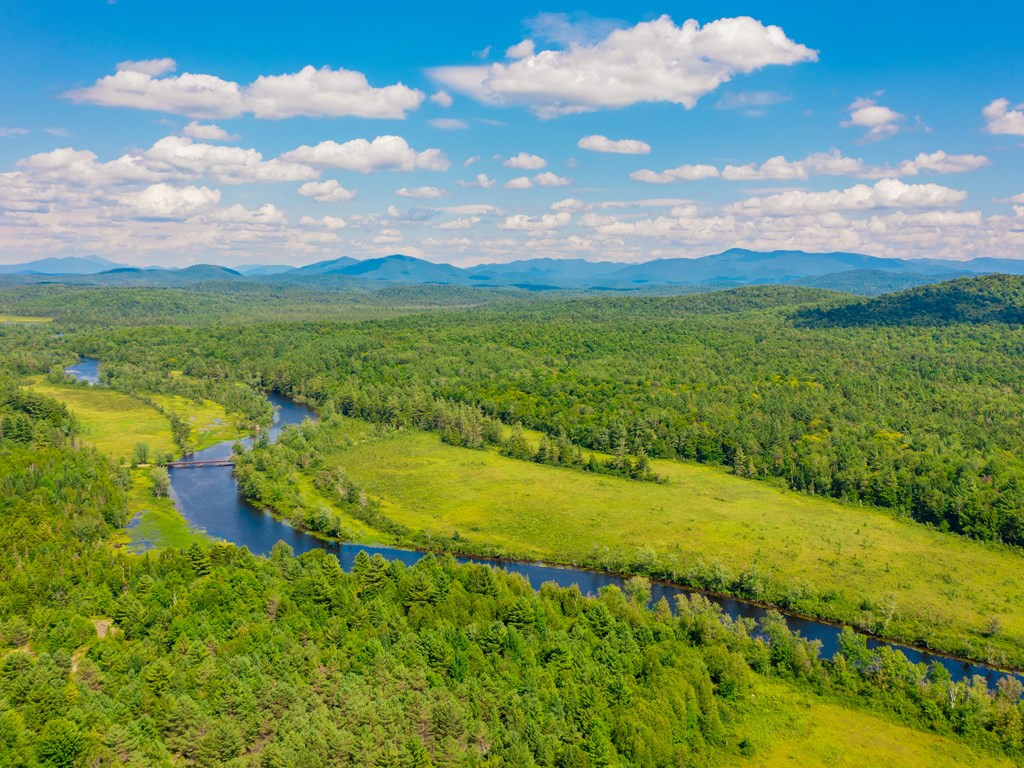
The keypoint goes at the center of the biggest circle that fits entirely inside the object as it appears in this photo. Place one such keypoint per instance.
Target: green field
(789, 728)
(24, 319)
(854, 564)
(112, 421)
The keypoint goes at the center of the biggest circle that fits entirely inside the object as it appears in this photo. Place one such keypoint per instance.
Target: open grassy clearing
(852, 564)
(791, 728)
(24, 319)
(112, 421)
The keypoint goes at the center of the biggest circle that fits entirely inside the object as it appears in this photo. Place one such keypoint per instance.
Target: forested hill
(988, 299)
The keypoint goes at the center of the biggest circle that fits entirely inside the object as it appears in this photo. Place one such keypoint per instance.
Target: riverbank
(210, 504)
(705, 528)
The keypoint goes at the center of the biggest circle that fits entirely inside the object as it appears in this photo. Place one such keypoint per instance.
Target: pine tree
(198, 559)
(415, 755)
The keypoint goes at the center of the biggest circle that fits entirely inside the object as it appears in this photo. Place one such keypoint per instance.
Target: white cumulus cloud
(329, 191)
(526, 161)
(681, 173)
(229, 165)
(880, 121)
(520, 50)
(570, 204)
(207, 132)
(424, 193)
(310, 92)
(544, 222)
(549, 179)
(649, 62)
(151, 67)
(481, 180)
(442, 99)
(330, 222)
(597, 143)
(520, 182)
(383, 153)
(1000, 119)
(168, 202)
(887, 193)
(941, 162)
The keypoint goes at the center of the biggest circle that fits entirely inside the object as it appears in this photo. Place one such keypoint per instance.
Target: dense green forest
(923, 420)
(988, 299)
(211, 656)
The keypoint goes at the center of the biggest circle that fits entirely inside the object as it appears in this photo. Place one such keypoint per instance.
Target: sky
(175, 133)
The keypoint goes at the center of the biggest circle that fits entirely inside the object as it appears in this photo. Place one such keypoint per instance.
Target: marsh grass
(853, 564)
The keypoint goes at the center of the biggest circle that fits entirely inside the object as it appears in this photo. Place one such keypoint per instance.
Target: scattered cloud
(570, 204)
(442, 99)
(520, 50)
(681, 173)
(940, 162)
(482, 180)
(383, 153)
(151, 67)
(267, 214)
(208, 132)
(6, 133)
(832, 163)
(526, 161)
(460, 224)
(544, 222)
(880, 121)
(887, 193)
(310, 92)
(520, 182)
(330, 222)
(654, 61)
(472, 209)
(229, 165)
(597, 143)
(448, 123)
(548, 179)
(1001, 119)
(329, 191)
(421, 192)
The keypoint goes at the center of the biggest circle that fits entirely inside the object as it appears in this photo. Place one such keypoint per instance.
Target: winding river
(209, 499)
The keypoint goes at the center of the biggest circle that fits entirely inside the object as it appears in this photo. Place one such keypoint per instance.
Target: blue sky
(176, 133)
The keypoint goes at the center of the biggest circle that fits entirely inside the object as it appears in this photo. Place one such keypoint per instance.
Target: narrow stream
(208, 498)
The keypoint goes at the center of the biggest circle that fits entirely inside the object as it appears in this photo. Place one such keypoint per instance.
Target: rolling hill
(988, 299)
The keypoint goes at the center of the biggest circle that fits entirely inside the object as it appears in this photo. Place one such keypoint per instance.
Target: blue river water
(209, 499)
(86, 369)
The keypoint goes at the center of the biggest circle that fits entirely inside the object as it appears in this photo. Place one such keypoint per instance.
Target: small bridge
(208, 463)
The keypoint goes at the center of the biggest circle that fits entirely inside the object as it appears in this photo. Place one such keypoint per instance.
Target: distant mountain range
(852, 272)
(70, 265)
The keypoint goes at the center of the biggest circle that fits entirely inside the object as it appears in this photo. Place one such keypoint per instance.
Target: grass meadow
(853, 564)
(23, 319)
(112, 421)
(787, 727)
